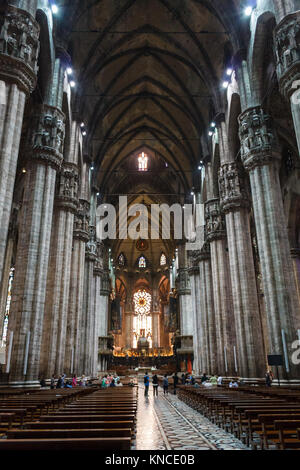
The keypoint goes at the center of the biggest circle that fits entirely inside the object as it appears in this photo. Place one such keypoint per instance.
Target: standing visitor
(155, 385)
(146, 382)
(166, 385)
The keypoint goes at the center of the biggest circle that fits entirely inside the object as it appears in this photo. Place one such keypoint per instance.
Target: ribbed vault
(149, 75)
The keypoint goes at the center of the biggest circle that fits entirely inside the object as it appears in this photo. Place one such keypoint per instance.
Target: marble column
(207, 324)
(295, 253)
(98, 270)
(195, 290)
(287, 50)
(59, 273)
(75, 307)
(88, 313)
(250, 355)
(261, 156)
(223, 303)
(11, 240)
(185, 307)
(103, 320)
(19, 48)
(44, 156)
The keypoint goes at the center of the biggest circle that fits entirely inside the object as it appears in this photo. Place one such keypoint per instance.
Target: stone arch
(47, 54)
(262, 35)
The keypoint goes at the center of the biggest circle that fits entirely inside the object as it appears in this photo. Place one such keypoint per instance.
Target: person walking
(166, 384)
(146, 383)
(155, 385)
(175, 382)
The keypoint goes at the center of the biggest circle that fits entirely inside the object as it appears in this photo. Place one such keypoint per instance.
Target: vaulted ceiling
(149, 78)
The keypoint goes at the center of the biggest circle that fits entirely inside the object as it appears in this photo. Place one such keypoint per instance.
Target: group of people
(63, 382)
(185, 378)
(110, 381)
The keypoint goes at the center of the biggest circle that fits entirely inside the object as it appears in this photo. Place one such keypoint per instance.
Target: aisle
(166, 423)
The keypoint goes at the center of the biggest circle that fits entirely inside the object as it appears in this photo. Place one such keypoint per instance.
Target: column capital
(193, 270)
(81, 221)
(19, 48)
(259, 145)
(233, 195)
(67, 187)
(204, 253)
(215, 221)
(287, 50)
(91, 246)
(184, 287)
(46, 136)
(105, 284)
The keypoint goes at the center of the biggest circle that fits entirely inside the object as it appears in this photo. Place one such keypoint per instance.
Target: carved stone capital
(193, 271)
(184, 287)
(287, 47)
(259, 145)
(81, 220)
(105, 284)
(46, 136)
(67, 187)
(204, 254)
(99, 263)
(233, 194)
(91, 246)
(215, 221)
(19, 48)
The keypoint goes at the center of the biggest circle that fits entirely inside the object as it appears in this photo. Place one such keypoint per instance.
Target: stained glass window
(142, 262)
(143, 162)
(142, 320)
(163, 260)
(7, 309)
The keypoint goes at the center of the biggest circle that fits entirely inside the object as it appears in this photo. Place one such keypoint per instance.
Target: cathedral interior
(133, 110)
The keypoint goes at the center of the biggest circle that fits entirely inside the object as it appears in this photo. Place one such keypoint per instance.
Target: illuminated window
(163, 260)
(143, 162)
(121, 260)
(142, 320)
(7, 309)
(142, 262)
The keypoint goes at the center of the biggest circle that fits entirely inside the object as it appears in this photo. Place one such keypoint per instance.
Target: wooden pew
(87, 417)
(80, 424)
(74, 444)
(7, 418)
(68, 433)
(288, 435)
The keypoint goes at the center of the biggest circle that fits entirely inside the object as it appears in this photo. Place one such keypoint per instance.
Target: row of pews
(262, 417)
(79, 419)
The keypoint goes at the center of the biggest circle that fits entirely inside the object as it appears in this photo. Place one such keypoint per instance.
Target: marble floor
(166, 423)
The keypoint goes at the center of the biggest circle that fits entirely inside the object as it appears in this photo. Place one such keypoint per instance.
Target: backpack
(145, 379)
